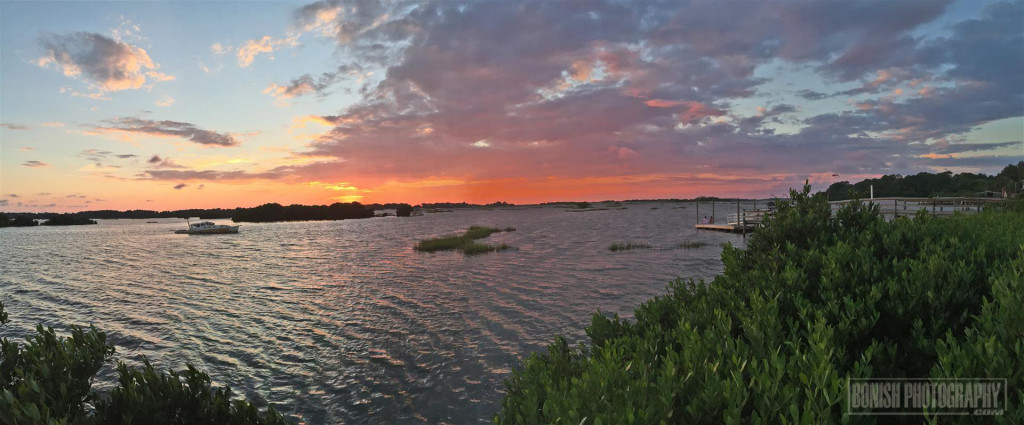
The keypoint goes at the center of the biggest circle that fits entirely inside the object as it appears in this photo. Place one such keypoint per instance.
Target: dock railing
(747, 219)
(940, 206)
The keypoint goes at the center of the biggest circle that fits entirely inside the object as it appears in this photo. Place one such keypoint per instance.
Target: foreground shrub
(815, 299)
(145, 395)
(48, 380)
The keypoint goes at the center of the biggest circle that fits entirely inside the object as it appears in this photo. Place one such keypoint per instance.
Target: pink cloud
(696, 112)
(110, 64)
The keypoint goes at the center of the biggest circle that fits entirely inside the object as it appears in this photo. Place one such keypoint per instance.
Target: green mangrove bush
(48, 380)
(816, 298)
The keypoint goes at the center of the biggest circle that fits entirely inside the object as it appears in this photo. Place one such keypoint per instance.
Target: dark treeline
(114, 214)
(387, 206)
(927, 184)
(17, 221)
(436, 205)
(68, 220)
(278, 212)
(25, 220)
(262, 213)
(194, 212)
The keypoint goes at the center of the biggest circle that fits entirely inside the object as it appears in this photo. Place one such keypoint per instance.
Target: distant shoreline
(220, 213)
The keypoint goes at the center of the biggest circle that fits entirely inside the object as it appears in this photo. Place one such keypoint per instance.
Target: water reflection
(342, 322)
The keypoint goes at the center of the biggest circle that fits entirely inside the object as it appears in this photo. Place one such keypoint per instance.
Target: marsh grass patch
(615, 247)
(466, 242)
(629, 246)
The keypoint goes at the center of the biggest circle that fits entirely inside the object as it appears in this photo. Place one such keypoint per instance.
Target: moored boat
(207, 228)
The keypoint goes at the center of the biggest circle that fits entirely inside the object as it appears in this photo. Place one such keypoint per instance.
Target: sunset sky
(168, 105)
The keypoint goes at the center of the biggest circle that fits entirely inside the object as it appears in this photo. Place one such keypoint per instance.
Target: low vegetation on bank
(48, 380)
(466, 242)
(815, 299)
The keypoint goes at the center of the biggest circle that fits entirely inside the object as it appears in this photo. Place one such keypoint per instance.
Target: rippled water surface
(342, 322)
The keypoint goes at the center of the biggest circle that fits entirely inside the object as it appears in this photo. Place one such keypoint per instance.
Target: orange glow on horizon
(123, 194)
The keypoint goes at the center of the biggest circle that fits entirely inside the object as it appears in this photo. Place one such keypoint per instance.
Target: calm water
(342, 322)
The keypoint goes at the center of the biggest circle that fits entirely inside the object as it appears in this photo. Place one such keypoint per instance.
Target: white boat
(207, 228)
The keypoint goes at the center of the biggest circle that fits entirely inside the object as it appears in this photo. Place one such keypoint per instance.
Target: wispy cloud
(12, 126)
(98, 155)
(165, 102)
(307, 84)
(249, 50)
(35, 164)
(157, 162)
(166, 128)
(94, 96)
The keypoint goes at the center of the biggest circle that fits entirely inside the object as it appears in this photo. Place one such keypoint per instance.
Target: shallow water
(341, 321)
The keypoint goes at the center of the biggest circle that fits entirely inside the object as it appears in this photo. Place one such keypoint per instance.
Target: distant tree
(404, 210)
(839, 190)
(931, 184)
(23, 221)
(583, 205)
(1011, 179)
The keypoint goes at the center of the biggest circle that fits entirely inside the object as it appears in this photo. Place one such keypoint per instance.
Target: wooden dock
(734, 228)
(743, 221)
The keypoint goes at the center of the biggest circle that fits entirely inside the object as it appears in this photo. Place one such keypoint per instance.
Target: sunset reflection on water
(342, 322)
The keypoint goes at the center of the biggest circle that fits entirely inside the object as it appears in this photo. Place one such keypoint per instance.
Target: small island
(17, 221)
(277, 212)
(68, 220)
